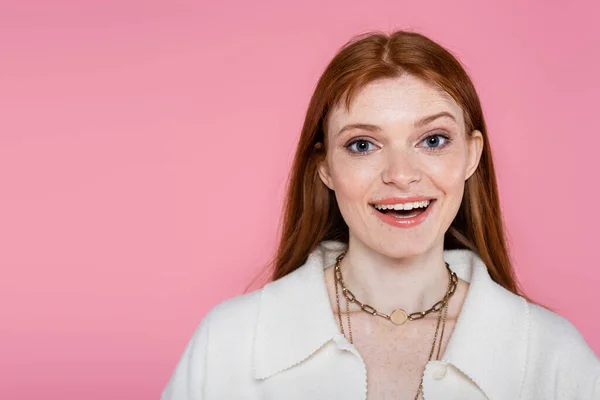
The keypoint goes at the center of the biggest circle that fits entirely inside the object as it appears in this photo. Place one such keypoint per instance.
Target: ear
(322, 166)
(474, 149)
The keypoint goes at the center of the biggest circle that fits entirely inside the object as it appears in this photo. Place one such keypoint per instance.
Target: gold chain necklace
(401, 316)
(397, 316)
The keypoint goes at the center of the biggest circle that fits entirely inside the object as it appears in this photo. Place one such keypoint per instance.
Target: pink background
(144, 147)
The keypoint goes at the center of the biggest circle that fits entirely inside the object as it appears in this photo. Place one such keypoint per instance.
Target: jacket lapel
(489, 342)
(294, 318)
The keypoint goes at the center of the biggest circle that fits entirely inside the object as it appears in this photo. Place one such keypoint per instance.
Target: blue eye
(360, 146)
(435, 141)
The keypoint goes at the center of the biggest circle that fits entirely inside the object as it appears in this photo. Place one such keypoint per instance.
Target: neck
(411, 283)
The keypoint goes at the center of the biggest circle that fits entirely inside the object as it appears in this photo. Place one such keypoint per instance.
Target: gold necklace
(397, 316)
(442, 309)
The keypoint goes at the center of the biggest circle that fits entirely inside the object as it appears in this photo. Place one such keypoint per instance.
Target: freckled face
(394, 151)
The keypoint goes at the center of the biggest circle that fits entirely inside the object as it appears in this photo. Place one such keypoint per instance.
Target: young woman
(392, 279)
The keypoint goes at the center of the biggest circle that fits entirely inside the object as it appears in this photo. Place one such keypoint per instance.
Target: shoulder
(559, 356)
(226, 324)
(229, 330)
(557, 334)
(239, 312)
(218, 350)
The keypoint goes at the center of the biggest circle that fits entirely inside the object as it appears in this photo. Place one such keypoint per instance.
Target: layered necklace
(398, 316)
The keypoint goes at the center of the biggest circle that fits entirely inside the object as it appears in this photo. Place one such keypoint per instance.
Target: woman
(392, 278)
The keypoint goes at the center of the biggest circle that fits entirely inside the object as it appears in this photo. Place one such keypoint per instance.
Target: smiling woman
(400, 144)
(392, 277)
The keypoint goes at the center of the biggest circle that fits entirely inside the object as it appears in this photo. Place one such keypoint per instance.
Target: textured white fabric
(283, 342)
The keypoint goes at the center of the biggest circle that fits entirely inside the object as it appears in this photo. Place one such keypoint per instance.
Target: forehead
(393, 101)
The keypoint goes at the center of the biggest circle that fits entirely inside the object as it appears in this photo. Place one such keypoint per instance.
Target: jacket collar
(488, 343)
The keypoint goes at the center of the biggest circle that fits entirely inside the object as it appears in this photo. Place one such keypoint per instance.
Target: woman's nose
(401, 169)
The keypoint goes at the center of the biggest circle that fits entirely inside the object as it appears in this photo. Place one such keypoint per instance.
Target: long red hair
(311, 213)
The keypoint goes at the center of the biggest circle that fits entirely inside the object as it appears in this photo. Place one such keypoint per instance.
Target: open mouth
(404, 210)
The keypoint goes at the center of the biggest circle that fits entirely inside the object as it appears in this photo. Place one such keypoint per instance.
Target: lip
(405, 222)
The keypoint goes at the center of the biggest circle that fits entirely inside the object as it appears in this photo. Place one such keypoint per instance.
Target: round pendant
(398, 317)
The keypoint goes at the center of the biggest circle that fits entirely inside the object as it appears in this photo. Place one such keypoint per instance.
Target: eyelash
(446, 138)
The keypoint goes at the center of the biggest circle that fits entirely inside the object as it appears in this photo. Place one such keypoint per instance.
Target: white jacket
(283, 342)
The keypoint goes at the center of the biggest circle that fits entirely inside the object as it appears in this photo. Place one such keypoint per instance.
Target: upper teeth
(403, 206)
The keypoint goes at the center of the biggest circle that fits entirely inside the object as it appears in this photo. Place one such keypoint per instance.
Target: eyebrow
(365, 127)
(431, 118)
(417, 124)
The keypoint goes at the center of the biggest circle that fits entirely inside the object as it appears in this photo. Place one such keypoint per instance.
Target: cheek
(447, 172)
(352, 178)
(449, 179)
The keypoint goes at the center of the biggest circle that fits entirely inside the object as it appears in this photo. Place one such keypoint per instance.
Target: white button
(438, 372)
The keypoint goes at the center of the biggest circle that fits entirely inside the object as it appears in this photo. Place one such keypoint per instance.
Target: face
(397, 161)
